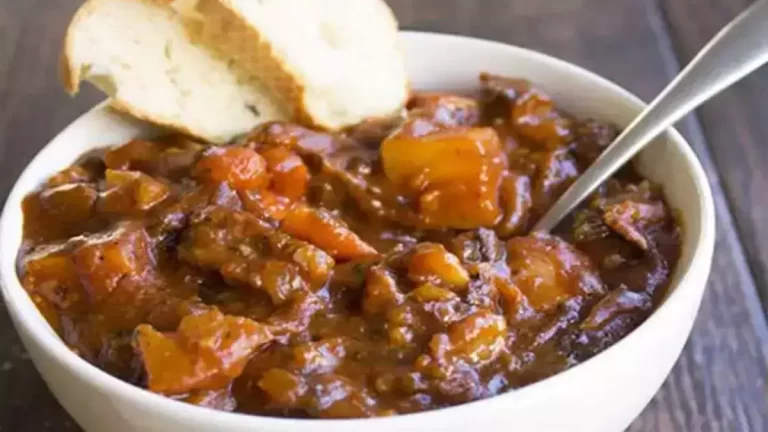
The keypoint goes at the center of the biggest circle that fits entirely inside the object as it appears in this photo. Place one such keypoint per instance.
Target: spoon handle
(737, 50)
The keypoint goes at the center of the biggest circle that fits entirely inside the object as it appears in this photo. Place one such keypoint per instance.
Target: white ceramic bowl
(603, 394)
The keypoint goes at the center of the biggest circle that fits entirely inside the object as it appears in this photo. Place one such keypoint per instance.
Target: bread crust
(227, 33)
(218, 27)
(71, 74)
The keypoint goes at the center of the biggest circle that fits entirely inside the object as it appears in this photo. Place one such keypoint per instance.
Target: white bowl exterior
(603, 394)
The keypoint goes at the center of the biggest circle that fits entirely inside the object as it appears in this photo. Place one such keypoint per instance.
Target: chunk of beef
(248, 251)
(444, 109)
(591, 138)
(370, 133)
(612, 318)
(131, 193)
(556, 170)
(631, 218)
(170, 157)
(104, 261)
(516, 202)
(479, 246)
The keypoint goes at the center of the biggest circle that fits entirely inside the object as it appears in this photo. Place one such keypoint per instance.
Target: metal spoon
(737, 50)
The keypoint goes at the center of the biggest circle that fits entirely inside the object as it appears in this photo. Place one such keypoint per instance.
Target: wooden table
(720, 382)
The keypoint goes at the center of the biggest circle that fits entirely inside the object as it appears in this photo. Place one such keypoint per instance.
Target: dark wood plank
(719, 383)
(34, 105)
(735, 126)
(32, 110)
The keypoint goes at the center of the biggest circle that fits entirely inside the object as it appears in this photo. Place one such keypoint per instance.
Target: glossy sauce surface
(379, 271)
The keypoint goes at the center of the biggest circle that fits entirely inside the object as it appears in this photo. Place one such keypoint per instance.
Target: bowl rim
(95, 377)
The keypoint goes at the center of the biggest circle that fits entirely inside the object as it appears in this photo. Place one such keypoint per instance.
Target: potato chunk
(448, 156)
(476, 339)
(479, 337)
(549, 271)
(454, 173)
(50, 273)
(283, 387)
(70, 203)
(461, 205)
(430, 262)
(207, 352)
(429, 293)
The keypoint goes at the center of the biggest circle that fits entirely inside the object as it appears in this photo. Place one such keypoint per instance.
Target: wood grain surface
(719, 383)
(735, 126)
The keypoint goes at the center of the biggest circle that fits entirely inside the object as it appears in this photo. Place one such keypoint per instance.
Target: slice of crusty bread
(138, 52)
(332, 63)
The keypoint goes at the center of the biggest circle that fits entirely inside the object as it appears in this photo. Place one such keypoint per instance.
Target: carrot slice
(327, 232)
